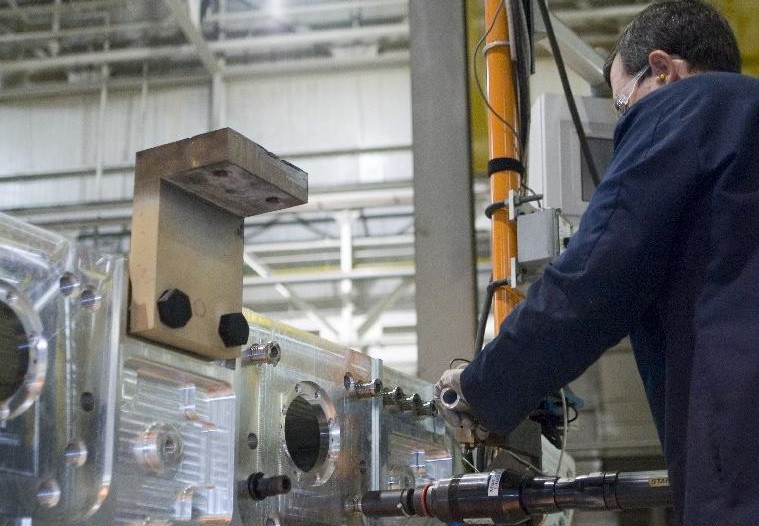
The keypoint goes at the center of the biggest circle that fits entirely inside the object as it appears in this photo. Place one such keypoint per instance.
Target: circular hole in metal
(169, 447)
(272, 199)
(14, 352)
(449, 396)
(89, 299)
(87, 401)
(252, 440)
(220, 173)
(306, 433)
(69, 284)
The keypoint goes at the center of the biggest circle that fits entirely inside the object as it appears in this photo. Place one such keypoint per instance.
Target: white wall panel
(323, 111)
(176, 113)
(343, 170)
(346, 112)
(45, 135)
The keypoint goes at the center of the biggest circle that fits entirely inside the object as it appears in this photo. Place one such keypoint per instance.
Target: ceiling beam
(68, 7)
(309, 310)
(304, 9)
(181, 13)
(259, 43)
(258, 70)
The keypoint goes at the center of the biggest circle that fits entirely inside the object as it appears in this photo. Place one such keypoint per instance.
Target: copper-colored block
(190, 199)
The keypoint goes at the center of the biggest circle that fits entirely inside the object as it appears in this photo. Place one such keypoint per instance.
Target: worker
(667, 253)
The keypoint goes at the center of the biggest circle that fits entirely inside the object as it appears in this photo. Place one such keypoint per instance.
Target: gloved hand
(455, 409)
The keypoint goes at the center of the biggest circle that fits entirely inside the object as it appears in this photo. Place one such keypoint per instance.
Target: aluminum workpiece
(101, 423)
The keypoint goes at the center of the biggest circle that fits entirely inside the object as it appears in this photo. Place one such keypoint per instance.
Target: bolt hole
(273, 200)
(252, 440)
(220, 173)
(169, 447)
(87, 401)
(68, 284)
(89, 299)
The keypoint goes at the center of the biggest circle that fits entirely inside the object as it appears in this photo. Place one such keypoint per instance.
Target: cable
(568, 92)
(474, 469)
(526, 463)
(566, 430)
(450, 364)
(485, 314)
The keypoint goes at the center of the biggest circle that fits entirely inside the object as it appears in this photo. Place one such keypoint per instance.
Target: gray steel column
(446, 286)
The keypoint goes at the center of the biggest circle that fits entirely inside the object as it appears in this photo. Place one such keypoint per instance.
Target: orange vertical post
(503, 142)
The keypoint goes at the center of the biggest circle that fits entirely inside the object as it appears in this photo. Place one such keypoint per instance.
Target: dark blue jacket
(668, 253)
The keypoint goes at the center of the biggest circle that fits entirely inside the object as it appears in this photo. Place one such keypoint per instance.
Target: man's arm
(596, 291)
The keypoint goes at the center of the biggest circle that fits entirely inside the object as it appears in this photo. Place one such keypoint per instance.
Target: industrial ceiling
(73, 45)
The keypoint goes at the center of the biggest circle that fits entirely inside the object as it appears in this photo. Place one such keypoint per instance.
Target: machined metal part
(159, 449)
(23, 352)
(508, 497)
(259, 487)
(262, 353)
(428, 408)
(393, 399)
(311, 432)
(598, 491)
(61, 312)
(360, 389)
(451, 400)
(377, 448)
(190, 198)
(131, 432)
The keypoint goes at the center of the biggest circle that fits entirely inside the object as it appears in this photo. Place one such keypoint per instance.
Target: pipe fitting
(262, 353)
(362, 389)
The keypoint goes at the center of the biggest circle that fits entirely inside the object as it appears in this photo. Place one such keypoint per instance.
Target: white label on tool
(494, 482)
(479, 521)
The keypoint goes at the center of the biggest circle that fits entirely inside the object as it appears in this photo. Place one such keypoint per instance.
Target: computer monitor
(556, 165)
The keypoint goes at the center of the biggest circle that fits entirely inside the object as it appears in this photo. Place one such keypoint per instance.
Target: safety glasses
(622, 100)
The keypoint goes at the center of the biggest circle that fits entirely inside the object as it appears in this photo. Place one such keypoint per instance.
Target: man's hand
(452, 405)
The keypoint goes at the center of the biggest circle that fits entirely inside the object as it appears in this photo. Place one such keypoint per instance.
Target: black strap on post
(503, 164)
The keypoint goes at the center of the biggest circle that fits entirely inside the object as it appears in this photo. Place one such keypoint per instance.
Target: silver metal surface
(332, 444)
(118, 431)
(40, 277)
(327, 431)
(126, 432)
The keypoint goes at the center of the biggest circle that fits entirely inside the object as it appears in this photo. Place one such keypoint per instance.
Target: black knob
(174, 308)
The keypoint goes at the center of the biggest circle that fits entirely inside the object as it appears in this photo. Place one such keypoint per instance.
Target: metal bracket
(190, 198)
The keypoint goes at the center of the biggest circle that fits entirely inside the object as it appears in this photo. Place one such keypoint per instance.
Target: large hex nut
(233, 329)
(174, 308)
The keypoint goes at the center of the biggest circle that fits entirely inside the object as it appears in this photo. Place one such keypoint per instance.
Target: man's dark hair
(691, 29)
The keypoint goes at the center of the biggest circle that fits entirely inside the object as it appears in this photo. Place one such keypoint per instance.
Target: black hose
(568, 93)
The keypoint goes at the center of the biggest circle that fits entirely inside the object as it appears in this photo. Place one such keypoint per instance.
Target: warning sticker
(494, 482)
(658, 482)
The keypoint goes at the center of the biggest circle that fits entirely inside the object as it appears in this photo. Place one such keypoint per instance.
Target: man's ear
(664, 69)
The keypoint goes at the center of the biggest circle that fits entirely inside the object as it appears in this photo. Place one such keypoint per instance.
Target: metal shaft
(509, 498)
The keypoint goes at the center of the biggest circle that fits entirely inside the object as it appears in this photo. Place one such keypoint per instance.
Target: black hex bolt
(233, 329)
(174, 308)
